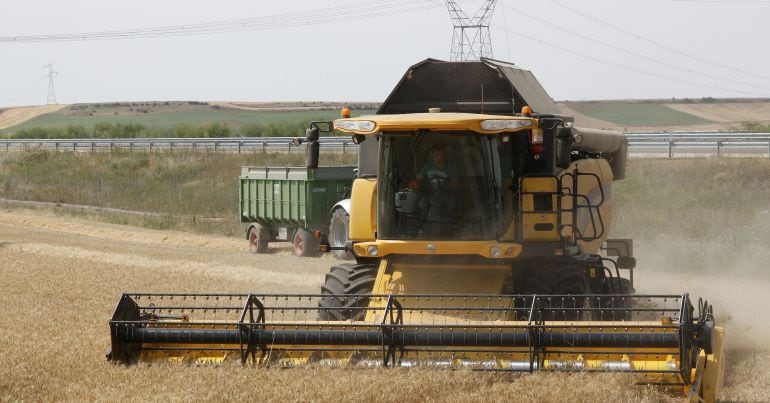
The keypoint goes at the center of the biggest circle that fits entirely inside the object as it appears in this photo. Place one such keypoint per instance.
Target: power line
(619, 49)
(368, 9)
(625, 67)
(723, 1)
(658, 44)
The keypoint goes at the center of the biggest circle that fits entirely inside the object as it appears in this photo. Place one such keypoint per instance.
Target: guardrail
(220, 144)
(686, 144)
(658, 144)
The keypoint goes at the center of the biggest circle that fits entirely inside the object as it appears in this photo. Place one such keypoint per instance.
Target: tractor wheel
(338, 233)
(258, 239)
(345, 291)
(305, 244)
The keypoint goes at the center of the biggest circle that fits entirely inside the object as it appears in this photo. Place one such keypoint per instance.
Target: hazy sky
(578, 49)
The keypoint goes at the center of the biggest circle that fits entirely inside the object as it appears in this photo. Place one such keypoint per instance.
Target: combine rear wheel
(305, 244)
(258, 239)
(346, 289)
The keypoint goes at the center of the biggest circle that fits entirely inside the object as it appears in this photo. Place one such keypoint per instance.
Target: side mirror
(313, 133)
(563, 151)
(619, 247)
(626, 262)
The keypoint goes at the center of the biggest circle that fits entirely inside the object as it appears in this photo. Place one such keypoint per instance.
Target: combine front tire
(258, 239)
(345, 290)
(562, 282)
(618, 306)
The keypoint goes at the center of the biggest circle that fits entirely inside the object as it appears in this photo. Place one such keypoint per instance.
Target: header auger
(481, 240)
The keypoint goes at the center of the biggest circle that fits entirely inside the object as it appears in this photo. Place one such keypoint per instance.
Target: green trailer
(296, 204)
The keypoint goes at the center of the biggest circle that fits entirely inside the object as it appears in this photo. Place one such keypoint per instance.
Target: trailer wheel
(345, 290)
(338, 233)
(258, 239)
(305, 244)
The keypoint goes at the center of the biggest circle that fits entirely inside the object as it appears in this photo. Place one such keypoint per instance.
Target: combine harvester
(481, 242)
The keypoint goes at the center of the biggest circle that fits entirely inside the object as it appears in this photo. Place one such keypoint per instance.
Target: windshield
(437, 186)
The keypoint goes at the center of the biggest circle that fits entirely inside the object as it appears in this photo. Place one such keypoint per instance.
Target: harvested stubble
(60, 284)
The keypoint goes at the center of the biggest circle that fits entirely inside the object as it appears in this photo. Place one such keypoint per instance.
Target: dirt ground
(60, 278)
(728, 112)
(14, 116)
(723, 116)
(294, 106)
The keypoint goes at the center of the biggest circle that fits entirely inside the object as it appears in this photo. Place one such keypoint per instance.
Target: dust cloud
(735, 280)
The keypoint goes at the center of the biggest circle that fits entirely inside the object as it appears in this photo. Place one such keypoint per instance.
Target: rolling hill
(158, 118)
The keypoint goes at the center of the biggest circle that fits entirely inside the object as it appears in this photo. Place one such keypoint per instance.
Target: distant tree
(104, 130)
(217, 129)
(76, 132)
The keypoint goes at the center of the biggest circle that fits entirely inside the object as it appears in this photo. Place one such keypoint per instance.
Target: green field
(635, 113)
(199, 119)
(180, 187)
(169, 120)
(177, 120)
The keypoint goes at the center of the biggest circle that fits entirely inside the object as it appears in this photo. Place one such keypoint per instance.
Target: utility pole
(470, 37)
(51, 98)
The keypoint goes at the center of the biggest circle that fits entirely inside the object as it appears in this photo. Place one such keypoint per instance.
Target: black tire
(563, 281)
(305, 244)
(338, 233)
(625, 286)
(617, 307)
(259, 237)
(345, 290)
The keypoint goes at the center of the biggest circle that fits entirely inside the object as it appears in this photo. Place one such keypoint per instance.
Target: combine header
(659, 336)
(481, 240)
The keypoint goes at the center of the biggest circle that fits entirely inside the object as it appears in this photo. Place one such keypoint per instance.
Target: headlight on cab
(355, 125)
(372, 250)
(507, 124)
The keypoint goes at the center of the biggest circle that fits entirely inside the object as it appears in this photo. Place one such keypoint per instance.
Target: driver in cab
(438, 182)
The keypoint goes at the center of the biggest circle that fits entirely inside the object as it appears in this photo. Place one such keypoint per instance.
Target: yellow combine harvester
(481, 242)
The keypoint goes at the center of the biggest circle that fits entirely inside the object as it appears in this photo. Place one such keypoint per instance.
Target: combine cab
(481, 240)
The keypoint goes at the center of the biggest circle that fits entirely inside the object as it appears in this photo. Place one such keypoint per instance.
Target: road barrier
(655, 144)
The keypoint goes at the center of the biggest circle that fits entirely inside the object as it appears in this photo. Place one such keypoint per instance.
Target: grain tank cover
(486, 86)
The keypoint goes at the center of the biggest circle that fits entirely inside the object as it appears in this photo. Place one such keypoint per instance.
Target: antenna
(51, 99)
(470, 37)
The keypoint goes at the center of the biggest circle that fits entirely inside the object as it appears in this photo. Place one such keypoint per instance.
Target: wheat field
(62, 276)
